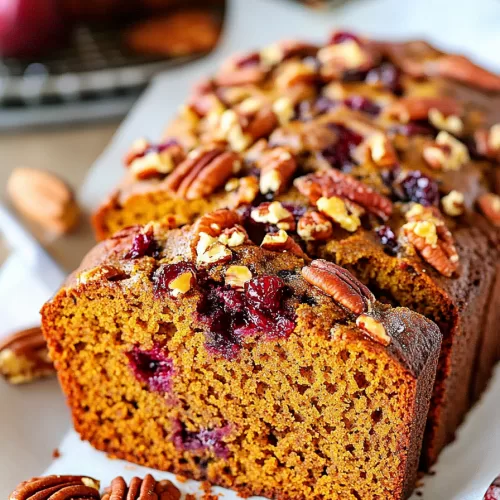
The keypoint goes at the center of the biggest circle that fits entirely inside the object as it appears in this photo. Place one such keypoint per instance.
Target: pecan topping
(293, 72)
(451, 123)
(141, 489)
(243, 191)
(241, 69)
(341, 211)
(335, 183)
(417, 108)
(237, 276)
(374, 328)
(60, 487)
(285, 49)
(282, 242)
(215, 222)
(488, 142)
(339, 284)
(314, 226)
(453, 203)
(489, 203)
(299, 137)
(24, 357)
(277, 167)
(446, 153)
(274, 213)
(427, 232)
(204, 170)
(382, 151)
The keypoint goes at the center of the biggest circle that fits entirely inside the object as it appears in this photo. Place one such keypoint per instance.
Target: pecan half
(24, 357)
(340, 284)
(417, 108)
(277, 167)
(141, 489)
(204, 170)
(314, 226)
(61, 487)
(215, 222)
(332, 182)
(489, 203)
(282, 242)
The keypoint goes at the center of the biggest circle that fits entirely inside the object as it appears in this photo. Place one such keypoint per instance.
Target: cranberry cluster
(152, 367)
(339, 155)
(229, 315)
(143, 244)
(202, 440)
(167, 273)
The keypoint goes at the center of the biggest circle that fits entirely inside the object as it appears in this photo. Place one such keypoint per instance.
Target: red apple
(31, 27)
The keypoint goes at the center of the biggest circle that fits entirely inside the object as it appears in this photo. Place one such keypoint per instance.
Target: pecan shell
(141, 489)
(341, 285)
(332, 182)
(57, 488)
(204, 171)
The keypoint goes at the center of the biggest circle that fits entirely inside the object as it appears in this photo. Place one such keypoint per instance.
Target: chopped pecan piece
(339, 284)
(241, 70)
(374, 328)
(293, 72)
(488, 142)
(489, 203)
(204, 170)
(335, 183)
(382, 151)
(450, 123)
(409, 109)
(277, 167)
(314, 226)
(274, 213)
(453, 203)
(237, 276)
(73, 487)
(427, 232)
(282, 242)
(338, 210)
(214, 223)
(141, 489)
(24, 357)
(285, 49)
(446, 153)
(243, 190)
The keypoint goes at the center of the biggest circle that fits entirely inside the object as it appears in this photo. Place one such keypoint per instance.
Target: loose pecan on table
(24, 357)
(332, 182)
(340, 284)
(204, 170)
(60, 487)
(141, 489)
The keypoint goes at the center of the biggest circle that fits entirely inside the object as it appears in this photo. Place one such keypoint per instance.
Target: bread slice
(195, 351)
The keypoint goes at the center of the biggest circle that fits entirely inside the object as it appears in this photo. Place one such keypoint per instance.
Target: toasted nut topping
(24, 357)
(283, 108)
(313, 226)
(453, 203)
(74, 487)
(447, 153)
(136, 149)
(374, 329)
(141, 489)
(494, 137)
(348, 55)
(152, 164)
(336, 209)
(277, 167)
(382, 151)
(341, 285)
(282, 242)
(233, 237)
(215, 222)
(489, 204)
(273, 213)
(449, 123)
(244, 190)
(181, 284)
(293, 72)
(417, 108)
(237, 276)
(210, 251)
(101, 273)
(424, 229)
(335, 183)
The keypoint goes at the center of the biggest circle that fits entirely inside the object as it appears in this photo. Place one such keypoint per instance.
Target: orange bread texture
(244, 374)
(409, 139)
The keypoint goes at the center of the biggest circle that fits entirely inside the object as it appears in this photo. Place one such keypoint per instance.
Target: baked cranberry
(167, 273)
(204, 439)
(386, 75)
(360, 103)
(339, 154)
(152, 367)
(342, 36)
(143, 244)
(493, 492)
(388, 239)
(419, 188)
(264, 293)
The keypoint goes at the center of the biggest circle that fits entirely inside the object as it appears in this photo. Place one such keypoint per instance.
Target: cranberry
(264, 293)
(167, 273)
(388, 239)
(386, 75)
(339, 154)
(143, 244)
(152, 367)
(419, 188)
(493, 492)
(342, 36)
(204, 439)
(360, 103)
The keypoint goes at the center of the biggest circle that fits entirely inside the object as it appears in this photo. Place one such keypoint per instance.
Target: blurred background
(70, 70)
